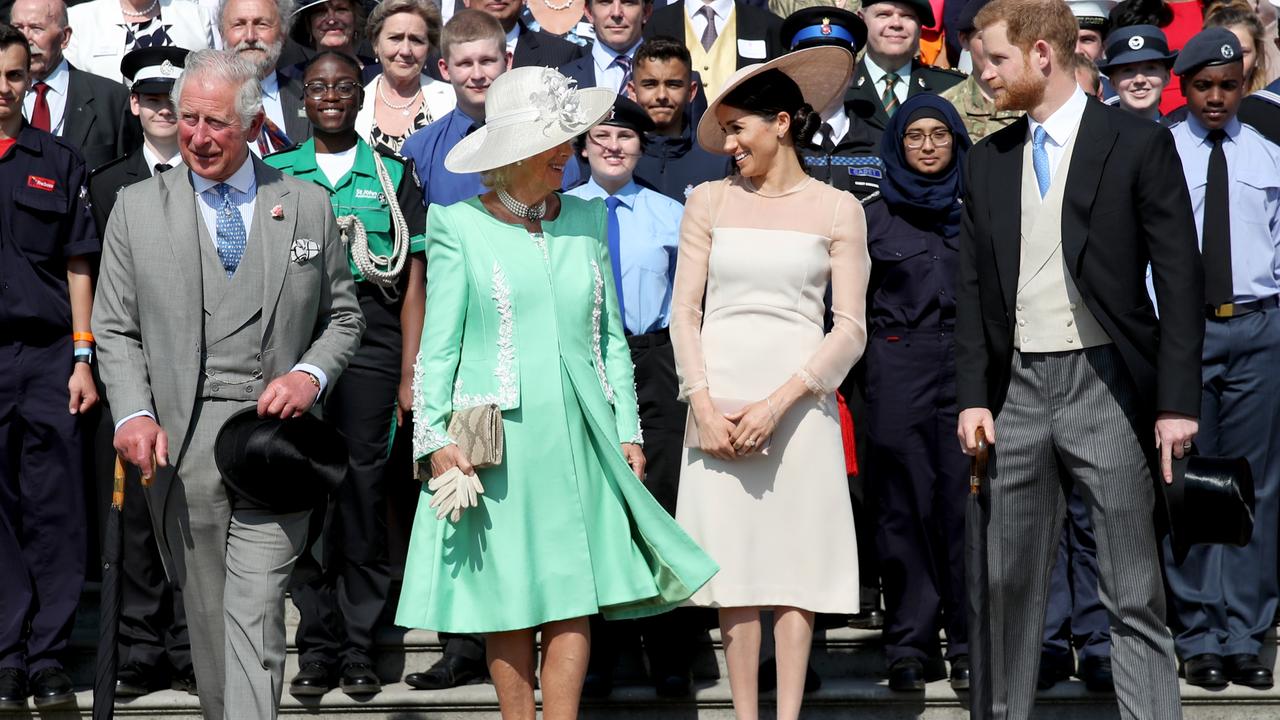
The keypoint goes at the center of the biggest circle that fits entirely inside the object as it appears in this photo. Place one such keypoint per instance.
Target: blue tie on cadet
(1040, 160)
(231, 234)
(615, 252)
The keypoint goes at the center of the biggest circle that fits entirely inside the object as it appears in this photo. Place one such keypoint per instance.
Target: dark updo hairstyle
(1141, 12)
(773, 92)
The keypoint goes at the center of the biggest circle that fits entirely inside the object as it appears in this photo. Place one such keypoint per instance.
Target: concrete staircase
(849, 661)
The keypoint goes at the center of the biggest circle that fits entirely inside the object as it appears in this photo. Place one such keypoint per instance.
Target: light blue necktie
(615, 251)
(1040, 160)
(230, 230)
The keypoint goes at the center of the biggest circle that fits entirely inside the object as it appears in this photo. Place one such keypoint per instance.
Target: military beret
(628, 114)
(153, 70)
(1214, 46)
(1135, 44)
(812, 26)
(923, 9)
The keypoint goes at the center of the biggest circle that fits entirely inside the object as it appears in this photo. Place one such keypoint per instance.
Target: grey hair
(283, 7)
(425, 9)
(228, 67)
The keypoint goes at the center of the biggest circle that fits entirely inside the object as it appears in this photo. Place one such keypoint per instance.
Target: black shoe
(449, 671)
(184, 682)
(13, 689)
(768, 678)
(597, 685)
(52, 688)
(872, 619)
(135, 680)
(906, 675)
(1205, 671)
(1096, 674)
(314, 678)
(360, 679)
(960, 673)
(674, 685)
(1248, 671)
(1053, 670)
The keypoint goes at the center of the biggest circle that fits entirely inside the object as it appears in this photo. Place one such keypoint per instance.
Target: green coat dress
(564, 528)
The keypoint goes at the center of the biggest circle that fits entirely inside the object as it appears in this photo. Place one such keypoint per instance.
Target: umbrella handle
(978, 468)
(117, 486)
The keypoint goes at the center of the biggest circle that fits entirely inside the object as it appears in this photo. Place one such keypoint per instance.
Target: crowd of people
(665, 309)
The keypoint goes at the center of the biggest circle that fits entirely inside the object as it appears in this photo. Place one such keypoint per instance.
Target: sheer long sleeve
(690, 286)
(850, 271)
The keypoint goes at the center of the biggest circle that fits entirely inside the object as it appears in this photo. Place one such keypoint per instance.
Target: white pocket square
(303, 250)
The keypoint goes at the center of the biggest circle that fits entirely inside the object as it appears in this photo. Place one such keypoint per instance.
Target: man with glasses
(341, 605)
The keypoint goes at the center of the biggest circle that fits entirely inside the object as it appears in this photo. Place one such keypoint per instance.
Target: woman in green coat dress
(522, 313)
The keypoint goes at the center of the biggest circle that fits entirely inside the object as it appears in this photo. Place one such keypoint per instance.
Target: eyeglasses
(316, 90)
(914, 140)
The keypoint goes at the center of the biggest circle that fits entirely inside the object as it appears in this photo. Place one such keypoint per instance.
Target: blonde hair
(499, 177)
(424, 9)
(1238, 13)
(1030, 20)
(468, 25)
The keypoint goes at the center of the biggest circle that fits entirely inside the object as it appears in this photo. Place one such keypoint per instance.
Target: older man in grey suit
(222, 288)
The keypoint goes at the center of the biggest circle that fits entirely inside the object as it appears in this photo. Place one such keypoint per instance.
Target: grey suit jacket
(149, 310)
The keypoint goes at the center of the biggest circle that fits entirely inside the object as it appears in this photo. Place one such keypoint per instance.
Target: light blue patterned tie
(231, 234)
(1040, 160)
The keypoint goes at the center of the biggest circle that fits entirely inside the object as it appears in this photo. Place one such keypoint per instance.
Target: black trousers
(42, 516)
(340, 606)
(922, 481)
(668, 639)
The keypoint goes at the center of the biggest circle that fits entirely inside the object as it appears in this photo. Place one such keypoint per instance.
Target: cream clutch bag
(478, 433)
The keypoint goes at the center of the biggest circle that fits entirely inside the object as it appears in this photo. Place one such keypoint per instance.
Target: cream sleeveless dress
(780, 525)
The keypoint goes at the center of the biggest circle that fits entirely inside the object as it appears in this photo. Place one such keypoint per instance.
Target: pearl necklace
(149, 9)
(532, 213)
(404, 109)
(558, 6)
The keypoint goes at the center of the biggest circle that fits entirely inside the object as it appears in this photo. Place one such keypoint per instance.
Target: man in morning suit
(527, 47)
(223, 288)
(1057, 339)
(256, 30)
(889, 72)
(155, 652)
(722, 36)
(617, 25)
(88, 111)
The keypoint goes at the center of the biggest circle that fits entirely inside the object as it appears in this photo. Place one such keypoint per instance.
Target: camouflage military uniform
(979, 114)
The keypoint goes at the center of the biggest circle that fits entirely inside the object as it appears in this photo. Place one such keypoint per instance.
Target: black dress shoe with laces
(13, 689)
(313, 678)
(906, 675)
(449, 671)
(52, 688)
(135, 680)
(1205, 671)
(1248, 671)
(1096, 674)
(360, 679)
(960, 673)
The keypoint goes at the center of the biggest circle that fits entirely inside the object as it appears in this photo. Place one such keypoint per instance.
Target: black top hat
(628, 114)
(813, 26)
(1135, 44)
(283, 465)
(1209, 501)
(153, 70)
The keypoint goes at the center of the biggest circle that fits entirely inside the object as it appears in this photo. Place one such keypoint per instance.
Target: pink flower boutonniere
(277, 212)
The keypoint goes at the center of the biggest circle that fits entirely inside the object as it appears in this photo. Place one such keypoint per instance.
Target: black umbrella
(104, 683)
(975, 576)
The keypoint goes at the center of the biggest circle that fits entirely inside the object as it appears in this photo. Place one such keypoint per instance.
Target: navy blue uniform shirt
(45, 220)
(913, 270)
(674, 166)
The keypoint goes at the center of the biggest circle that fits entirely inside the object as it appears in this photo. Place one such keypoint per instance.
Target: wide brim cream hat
(528, 110)
(823, 73)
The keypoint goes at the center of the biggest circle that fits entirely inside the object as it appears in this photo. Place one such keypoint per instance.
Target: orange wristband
(82, 337)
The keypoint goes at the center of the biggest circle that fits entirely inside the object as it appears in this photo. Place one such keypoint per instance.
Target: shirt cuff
(315, 372)
(127, 418)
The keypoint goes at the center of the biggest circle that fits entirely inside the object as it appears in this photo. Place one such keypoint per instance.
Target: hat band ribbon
(824, 32)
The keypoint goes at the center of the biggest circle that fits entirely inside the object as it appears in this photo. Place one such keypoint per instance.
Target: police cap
(813, 26)
(153, 70)
(1135, 44)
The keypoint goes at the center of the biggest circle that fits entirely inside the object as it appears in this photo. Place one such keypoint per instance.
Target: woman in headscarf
(913, 229)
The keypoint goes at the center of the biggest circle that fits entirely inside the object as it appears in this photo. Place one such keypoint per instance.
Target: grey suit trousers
(1074, 407)
(232, 565)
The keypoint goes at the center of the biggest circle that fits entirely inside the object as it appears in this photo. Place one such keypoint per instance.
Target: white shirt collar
(1063, 122)
(838, 119)
(153, 159)
(270, 85)
(877, 73)
(58, 79)
(720, 7)
(242, 180)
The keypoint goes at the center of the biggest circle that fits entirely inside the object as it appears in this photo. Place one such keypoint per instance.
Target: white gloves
(454, 492)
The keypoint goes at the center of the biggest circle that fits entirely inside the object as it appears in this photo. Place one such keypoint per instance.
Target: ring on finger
(1186, 445)
(750, 442)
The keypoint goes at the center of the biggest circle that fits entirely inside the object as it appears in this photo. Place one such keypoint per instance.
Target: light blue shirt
(1253, 166)
(650, 226)
(608, 74)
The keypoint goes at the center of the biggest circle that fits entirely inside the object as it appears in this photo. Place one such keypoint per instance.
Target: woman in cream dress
(764, 491)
